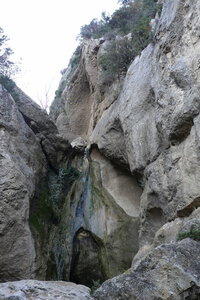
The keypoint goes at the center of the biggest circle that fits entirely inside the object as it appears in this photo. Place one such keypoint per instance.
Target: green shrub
(96, 284)
(10, 86)
(70, 174)
(149, 8)
(132, 17)
(141, 34)
(159, 8)
(74, 61)
(60, 89)
(122, 20)
(7, 67)
(193, 233)
(116, 60)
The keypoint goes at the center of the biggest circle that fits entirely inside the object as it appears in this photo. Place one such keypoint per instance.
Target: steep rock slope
(29, 142)
(21, 165)
(158, 110)
(150, 132)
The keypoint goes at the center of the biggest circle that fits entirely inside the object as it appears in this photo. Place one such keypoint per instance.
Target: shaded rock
(103, 220)
(170, 232)
(168, 272)
(28, 152)
(22, 165)
(32, 289)
(43, 127)
(87, 267)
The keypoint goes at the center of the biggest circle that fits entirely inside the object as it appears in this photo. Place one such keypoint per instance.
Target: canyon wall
(111, 190)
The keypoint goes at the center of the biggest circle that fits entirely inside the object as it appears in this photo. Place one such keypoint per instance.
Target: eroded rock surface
(27, 154)
(148, 137)
(32, 289)
(22, 164)
(168, 272)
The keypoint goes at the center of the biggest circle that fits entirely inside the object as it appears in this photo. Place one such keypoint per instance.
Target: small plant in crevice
(96, 285)
(193, 233)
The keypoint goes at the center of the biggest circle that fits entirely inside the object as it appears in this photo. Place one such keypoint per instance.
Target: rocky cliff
(113, 189)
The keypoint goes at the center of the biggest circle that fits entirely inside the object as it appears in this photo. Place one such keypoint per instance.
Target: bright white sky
(43, 33)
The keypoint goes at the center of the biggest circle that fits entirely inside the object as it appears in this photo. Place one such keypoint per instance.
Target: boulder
(49, 290)
(170, 271)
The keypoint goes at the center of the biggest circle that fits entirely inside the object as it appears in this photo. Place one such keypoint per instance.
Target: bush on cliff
(118, 56)
(7, 67)
(131, 24)
(193, 233)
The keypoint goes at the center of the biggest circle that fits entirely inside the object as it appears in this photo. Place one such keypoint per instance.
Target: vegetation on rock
(129, 32)
(193, 233)
(10, 86)
(122, 20)
(118, 56)
(7, 67)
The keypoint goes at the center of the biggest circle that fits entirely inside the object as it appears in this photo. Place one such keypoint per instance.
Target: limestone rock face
(120, 184)
(30, 148)
(22, 164)
(143, 156)
(153, 125)
(168, 272)
(84, 95)
(33, 289)
(103, 221)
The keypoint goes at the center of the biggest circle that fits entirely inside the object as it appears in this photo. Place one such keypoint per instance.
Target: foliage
(41, 214)
(125, 2)
(193, 233)
(7, 67)
(159, 8)
(60, 89)
(121, 21)
(133, 16)
(125, 17)
(96, 28)
(141, 34)
(118, 56)
(96, 284)
(60, 184)
(70, 173)
(149, 8)
(10, 86)
(75, 57)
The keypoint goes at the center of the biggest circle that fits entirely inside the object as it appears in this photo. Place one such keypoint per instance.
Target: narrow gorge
(100, 199)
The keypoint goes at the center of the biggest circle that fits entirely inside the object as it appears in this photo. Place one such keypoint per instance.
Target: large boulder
(33, 289)
(170, 271)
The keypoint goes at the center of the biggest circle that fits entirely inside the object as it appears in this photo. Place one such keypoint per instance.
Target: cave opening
(87, 266)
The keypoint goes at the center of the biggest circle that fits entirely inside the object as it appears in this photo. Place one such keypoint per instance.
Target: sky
(43, 36)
